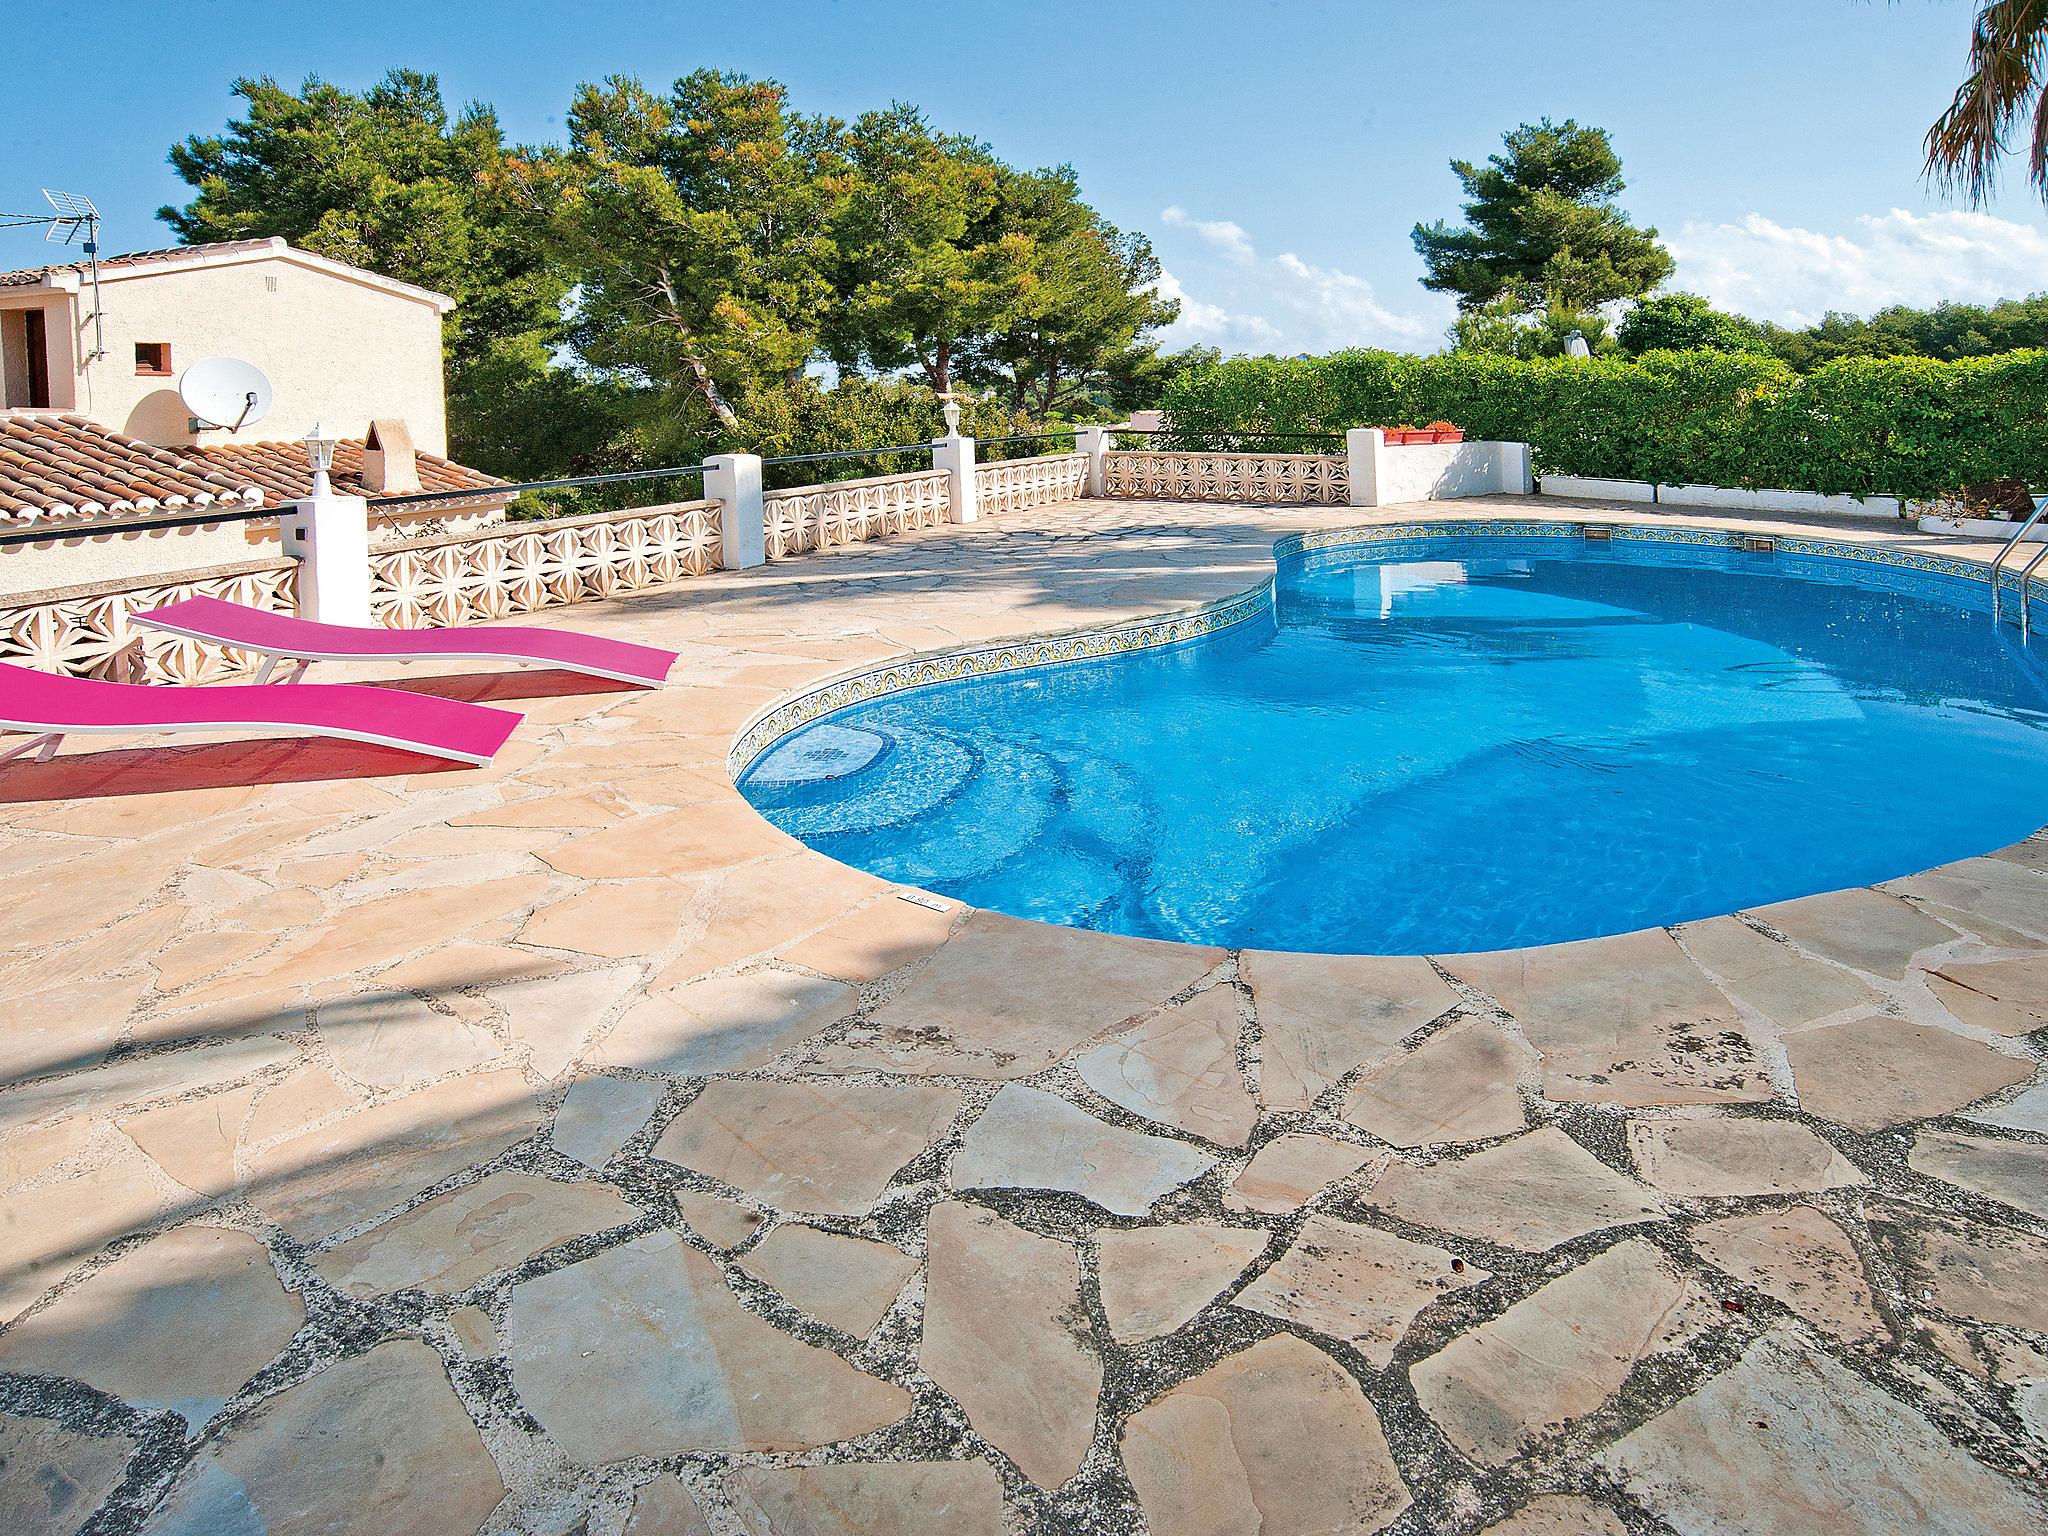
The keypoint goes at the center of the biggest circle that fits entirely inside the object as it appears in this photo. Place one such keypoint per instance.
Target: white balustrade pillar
(1517, 476)
(955, 455)
(329, 536)
(734, 481)
(1363, 448)
(1094, 442)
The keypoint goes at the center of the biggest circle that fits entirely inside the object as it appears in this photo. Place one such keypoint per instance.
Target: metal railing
(1998, 564)
(1231, 440)
(510, 489)
(93, 530)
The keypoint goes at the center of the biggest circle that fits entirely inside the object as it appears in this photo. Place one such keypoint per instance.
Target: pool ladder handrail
(1998, 564)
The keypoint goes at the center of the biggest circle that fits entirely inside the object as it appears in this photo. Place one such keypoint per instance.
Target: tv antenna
(70, 218)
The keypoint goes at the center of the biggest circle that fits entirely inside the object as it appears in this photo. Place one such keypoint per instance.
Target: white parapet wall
(1384, 475)
(1803, 503)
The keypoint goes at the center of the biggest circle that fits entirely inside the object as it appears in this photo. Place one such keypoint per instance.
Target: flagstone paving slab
(1787, 988)
(1867, 930)
(819, 1145)
(454, 1240)
(2007, 997)
(1533, 1192)
(1875, 1072)
(979, 1008)
(1179, 1067)
(1559, 1353)
(1291, 1170)
(1356, 1283)
(1729, 1156)
(1274, 1439)
(871, 941)
(721, 1223)
(1787, 1442)
(601, 1114)
(1023, 1371)
(1625, 1020)
(1980, 1273)
(1972, 893)
(1804, 1259)
(53, 1478)
(2027, 1111)
(848, 1282)
(139, 1078)
(724, 1024)
(397, 1040)
(1560, 1514)
(1322, 1017)
(1030, 1139)
(870, 1498)
(181, 1322)
(1461, 1084)
(2014, 1173)
(754, 909)
(322, 1181)
(414, 1460)
(196, 1140)
(643, 1350)
(1153, 1279)
(664, 1508)
(552, 1016)
(62, 1201)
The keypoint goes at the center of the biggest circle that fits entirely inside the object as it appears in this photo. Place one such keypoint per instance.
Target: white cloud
(1793, 276)
(1227, 237)
(1256, 303)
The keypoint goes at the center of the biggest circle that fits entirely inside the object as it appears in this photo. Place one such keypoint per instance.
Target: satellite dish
(225, 392)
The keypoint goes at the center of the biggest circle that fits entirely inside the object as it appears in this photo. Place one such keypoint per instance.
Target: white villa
(92, 429)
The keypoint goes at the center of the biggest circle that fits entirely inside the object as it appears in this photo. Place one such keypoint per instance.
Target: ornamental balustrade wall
(814, 517)
(86, 630)
(1018, 485)
(521, 567)
(1311, 479)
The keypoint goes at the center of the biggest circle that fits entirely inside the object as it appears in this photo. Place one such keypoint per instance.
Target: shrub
(1909, 426)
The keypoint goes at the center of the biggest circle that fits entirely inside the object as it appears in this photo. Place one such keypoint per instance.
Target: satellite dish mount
(224, 392)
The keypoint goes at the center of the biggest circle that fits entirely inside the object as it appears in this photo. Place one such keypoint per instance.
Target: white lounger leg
(44, 747)
(299, 665)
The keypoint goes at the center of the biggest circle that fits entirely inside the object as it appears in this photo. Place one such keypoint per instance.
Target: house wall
(337, 350)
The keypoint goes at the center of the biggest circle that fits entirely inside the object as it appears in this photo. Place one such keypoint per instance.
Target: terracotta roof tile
(30, 275)
(62, 466)
(67, 466)
(279, 469)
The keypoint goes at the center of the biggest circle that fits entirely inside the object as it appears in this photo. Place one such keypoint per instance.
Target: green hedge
(1909, 426)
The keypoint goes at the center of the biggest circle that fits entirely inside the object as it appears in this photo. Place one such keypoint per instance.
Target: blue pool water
(1443, 745)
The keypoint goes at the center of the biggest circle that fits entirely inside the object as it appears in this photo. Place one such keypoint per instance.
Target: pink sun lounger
(282, 636)
(54, 706)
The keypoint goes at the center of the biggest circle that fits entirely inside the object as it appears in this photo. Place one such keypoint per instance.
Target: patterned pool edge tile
(1175, 628)
(1150, 633)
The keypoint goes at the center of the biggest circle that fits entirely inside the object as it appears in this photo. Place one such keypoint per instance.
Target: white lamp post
(320, 457)
(949, 407)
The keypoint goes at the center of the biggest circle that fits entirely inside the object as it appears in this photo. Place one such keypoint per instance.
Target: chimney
(390, 464)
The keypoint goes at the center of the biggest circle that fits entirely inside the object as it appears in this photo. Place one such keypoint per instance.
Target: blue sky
(1277, 151)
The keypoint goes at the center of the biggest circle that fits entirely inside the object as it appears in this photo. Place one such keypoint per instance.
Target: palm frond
(2008, 67)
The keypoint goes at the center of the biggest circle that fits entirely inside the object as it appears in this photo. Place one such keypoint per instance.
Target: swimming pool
(1428, 745)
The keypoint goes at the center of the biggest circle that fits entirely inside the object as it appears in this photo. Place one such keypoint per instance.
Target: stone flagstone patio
(560, 1148)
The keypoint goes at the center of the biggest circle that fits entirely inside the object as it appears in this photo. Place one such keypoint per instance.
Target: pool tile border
(1182, 625)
